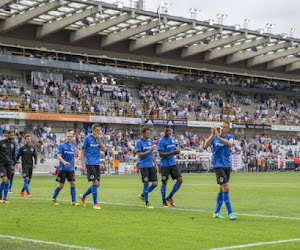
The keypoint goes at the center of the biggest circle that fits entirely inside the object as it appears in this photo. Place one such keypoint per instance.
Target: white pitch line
(180, 209)
(256, 244)
(46, 242)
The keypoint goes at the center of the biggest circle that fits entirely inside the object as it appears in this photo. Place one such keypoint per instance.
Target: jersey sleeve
(138, 146)
(212, 143)
(160, 145)
(85, 143)
(60, 149)
(230, 137)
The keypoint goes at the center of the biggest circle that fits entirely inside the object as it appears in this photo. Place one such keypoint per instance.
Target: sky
(284, 14)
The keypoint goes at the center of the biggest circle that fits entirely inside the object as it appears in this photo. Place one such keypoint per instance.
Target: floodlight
(221, 17)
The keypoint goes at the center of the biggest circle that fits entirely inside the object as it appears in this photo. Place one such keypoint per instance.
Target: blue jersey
(167, 145)
(221, 152)
(67, 153)
(143, 146)
(92, 150)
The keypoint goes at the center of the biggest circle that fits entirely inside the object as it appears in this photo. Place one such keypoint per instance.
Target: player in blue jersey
(221, 148)
(90, 160)
(66, 168)
(146, 159)
(167, 149)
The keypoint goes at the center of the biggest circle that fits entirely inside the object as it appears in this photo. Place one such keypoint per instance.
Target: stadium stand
(64, 79)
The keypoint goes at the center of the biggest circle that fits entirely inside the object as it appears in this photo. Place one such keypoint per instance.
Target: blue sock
(56, 192)
(150, 189)
(1, 187)
(6, 186)
(26, 186)
(73, 194)
(227, 202)
(95, 194)
(145, 191)
(175, 188)
(10, 184)
(23, 189)
(219, 202)
(87, 192)
(163, 191)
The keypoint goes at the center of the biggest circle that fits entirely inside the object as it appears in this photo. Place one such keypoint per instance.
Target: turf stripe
(257, 244)
(46, 242)
(180, 209)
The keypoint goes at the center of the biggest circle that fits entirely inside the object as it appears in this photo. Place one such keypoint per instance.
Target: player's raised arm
(228, 142)
(142, 154)
(100, 143)
(211, 137)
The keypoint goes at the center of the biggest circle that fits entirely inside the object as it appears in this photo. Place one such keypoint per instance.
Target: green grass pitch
(260, 201)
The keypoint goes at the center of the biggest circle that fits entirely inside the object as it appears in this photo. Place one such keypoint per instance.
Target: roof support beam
(123, 35)
(293, 66)
(218, 53)
(282, 62)
(149, 40)
(267, 58)
(16, 21)
(4, 2)
(50, 28)
(169, 46)
(194, 50)
(92, 30)
(237, 57)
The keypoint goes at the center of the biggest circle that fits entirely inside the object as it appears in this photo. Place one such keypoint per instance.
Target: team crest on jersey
(164, 178)
(32, 149)
(149, 143)
(72, 149)
(173, 141)
(12, 145)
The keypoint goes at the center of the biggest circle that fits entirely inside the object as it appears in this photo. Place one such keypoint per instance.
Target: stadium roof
(111, 28)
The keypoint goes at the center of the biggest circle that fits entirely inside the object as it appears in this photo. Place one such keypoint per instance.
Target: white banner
(11, 115)
(286, 128)
(109, 88)
(236, 161)
(112, 119)
(204, 124)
